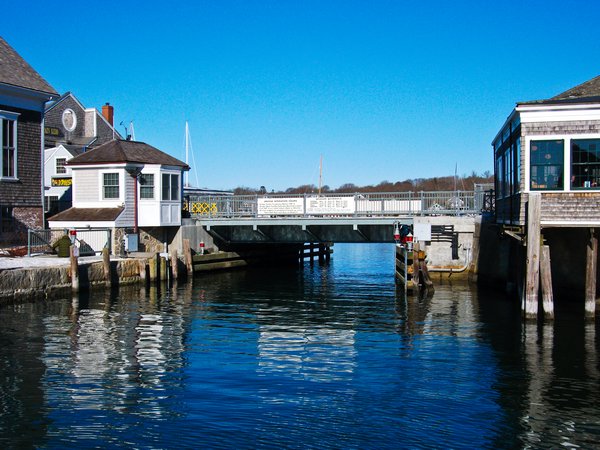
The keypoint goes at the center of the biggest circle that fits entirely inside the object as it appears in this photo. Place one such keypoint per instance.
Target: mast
(320, 174)
(187, 150)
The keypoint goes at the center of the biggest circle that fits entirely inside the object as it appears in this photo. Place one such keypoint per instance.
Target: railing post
(422, 203)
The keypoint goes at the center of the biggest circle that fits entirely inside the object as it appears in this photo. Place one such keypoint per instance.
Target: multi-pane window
(146, 181)
(60, 165)
(170, 186)
(585, 163)
(9, 147)
(546, 164)
(110, 185)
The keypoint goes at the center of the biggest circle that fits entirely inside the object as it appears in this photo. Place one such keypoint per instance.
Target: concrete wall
(38, 282)
(440, 254)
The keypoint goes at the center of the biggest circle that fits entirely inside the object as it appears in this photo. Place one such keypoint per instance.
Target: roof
(587, 92)
(87, 215)
(119, 151)
(15, 71)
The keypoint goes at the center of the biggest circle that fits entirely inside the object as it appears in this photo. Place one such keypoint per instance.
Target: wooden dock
(411, 269)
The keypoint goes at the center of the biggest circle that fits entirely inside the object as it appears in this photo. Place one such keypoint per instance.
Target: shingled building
(23, 96)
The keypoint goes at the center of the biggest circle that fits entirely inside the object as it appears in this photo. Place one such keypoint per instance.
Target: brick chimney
(108, 112)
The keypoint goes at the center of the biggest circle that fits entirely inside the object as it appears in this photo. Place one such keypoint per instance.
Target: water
(321, 357)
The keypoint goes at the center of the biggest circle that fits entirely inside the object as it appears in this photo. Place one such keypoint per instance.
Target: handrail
(371, 204)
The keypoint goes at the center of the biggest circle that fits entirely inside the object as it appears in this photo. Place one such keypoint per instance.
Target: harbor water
(322, 356)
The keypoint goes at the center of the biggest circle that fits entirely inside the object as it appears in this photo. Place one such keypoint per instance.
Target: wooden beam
(590, 274)
(546, 277)
(532, 275)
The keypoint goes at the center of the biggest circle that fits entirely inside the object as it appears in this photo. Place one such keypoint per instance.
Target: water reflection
(328, 356)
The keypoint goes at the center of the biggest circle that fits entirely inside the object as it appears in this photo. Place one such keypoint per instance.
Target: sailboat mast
(320, 174)
(187, 151)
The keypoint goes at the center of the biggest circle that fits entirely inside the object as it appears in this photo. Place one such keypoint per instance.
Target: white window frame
(11, 116)
(141, 186)
(567, 138)
(170, 187)
(102, 186)
(63, 166)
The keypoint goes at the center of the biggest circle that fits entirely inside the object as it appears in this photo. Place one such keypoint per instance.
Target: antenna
(131, 131)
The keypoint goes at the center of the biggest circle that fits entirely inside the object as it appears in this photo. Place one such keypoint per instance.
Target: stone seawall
(25, 284)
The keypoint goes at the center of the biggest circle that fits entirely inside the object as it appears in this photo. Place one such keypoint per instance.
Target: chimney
(108, 112)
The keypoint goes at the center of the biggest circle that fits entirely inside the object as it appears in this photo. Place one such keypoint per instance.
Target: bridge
(284, 218)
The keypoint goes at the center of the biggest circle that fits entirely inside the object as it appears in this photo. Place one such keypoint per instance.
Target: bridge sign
(280, 206)
(330, 205)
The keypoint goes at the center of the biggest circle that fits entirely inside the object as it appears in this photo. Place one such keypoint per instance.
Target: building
(70, 129)
(129, 187)
(23, 96)
(547, 196)
(551, 146)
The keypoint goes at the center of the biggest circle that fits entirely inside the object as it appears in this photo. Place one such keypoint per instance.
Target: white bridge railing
(336, 205)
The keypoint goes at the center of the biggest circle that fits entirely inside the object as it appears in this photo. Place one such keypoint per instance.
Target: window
(547, 160)
(60, 165)
(170, 186)
(585, 163)
(146, 181)
(9, 146)
(110, 185)
(51, 203)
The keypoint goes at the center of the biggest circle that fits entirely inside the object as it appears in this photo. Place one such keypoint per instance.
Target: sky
(380, 90)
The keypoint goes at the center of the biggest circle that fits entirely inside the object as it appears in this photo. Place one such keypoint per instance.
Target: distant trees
(448, 183)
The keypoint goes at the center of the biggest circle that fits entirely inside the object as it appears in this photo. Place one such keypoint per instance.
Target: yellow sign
(62, 181)
(52, 131)
(204, 208)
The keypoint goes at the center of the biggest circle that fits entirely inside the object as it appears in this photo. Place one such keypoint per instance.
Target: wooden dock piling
(546, 278)
(590, 274)
(532, 275)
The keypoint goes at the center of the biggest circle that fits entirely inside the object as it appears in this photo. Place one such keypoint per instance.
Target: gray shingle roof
(15, 71)
(586, 92)
(88, 215)
(119, 151)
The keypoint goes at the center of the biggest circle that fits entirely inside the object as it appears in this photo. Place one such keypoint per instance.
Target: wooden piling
(106, 265)
(187, 251)
(74, 253)
(546, 278)
(142, 269)
(153, 268)
(590, 274)
(162, 267)
(532, 276)
(174, 264)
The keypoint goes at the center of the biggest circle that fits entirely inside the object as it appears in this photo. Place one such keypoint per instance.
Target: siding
(87, 185)
(127, 217)
(27, 190)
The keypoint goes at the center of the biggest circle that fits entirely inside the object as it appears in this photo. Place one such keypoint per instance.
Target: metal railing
(337, 205)
(90, 240)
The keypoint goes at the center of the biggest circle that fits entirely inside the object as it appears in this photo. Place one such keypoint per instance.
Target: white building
(129, 187)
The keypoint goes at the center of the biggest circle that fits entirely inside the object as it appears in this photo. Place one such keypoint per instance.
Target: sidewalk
(17, 262)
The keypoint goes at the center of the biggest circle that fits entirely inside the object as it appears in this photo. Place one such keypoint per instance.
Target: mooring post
(546, 276)
(106, 265)
(590, 274)
(532, 276)
(187, 251)
(74, 254)
(174, 264)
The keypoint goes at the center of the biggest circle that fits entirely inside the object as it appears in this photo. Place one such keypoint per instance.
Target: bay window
(170, 186)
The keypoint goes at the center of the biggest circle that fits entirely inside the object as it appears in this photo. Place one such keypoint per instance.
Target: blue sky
(384, 90)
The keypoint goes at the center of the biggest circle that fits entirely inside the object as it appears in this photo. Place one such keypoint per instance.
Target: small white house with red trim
(129, 187)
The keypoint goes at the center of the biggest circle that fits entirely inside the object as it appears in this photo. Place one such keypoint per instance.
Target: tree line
(447, 183)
